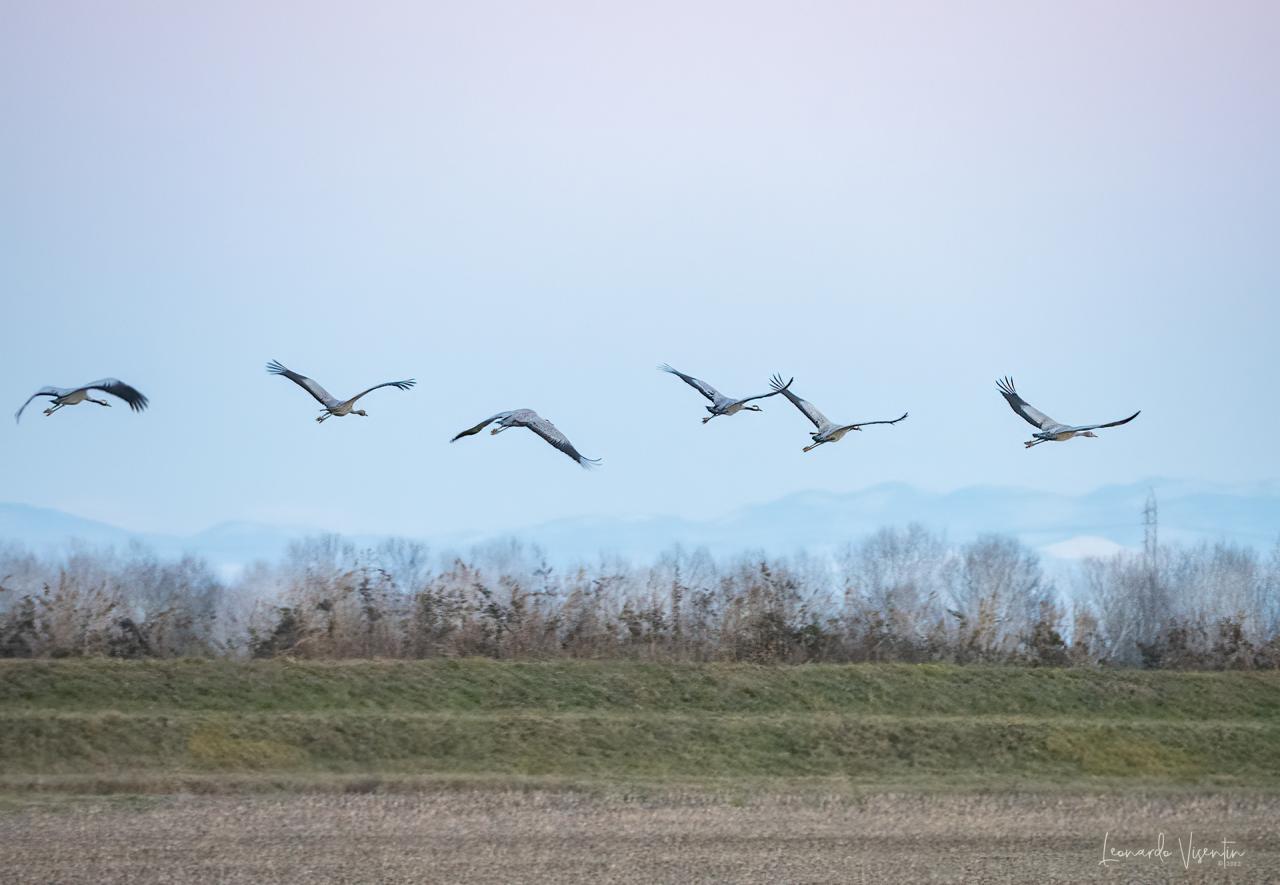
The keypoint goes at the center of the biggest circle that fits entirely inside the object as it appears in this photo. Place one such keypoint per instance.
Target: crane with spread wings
(333, 407)
(535, 422)
(1048, 430)
(71, 396)
(720, 404)
(828, 431)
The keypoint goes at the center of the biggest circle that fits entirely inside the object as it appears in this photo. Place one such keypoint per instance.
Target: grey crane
(827, 432)
(720, 404)
(70, 396)
(535, 422)
(1048, 429)
(333, 407)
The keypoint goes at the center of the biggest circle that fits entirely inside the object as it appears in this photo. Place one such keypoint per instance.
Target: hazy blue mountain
(1061, 526)
(227, 545)
(39, 528)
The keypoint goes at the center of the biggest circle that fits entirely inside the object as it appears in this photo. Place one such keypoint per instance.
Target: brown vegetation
(899, 595)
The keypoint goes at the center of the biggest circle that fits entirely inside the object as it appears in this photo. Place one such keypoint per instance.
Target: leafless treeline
(900, 595)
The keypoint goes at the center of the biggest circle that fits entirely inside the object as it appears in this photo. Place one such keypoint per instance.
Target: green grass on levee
(877, 726)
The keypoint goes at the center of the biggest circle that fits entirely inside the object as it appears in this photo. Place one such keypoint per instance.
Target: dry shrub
(899, 595)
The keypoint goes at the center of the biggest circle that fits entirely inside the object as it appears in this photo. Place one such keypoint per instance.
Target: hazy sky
(531, 205)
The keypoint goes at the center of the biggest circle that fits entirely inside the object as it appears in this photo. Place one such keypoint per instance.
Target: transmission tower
(1150, 529)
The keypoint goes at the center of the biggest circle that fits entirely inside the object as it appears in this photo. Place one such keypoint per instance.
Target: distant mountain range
(1060, 526)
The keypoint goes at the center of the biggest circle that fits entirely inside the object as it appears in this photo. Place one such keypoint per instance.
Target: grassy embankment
(98, 724)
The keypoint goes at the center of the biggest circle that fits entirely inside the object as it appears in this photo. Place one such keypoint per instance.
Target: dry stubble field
(565, 837)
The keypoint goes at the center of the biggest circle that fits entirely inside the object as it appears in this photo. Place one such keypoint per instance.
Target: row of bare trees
(902, 594)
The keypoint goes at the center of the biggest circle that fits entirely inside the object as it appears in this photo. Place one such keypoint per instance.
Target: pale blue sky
(531, 205)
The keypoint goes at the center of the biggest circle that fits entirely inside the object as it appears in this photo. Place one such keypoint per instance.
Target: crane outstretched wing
(43, 391)
(324, 397)
(697, 384)
(399, 385)
(118, 388)
(1112, 424)
(869, 423)
(552, 434)
(471, 431)
(771, 393)
(808, 409)
(1029, 413)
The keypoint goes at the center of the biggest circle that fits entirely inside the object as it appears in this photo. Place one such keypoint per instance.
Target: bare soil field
(518, 836)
